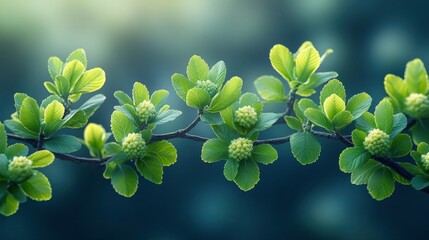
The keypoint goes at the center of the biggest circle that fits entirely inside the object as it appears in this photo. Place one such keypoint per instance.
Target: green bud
(134, 146)
(377, 143)
(246, 116)
(207, 85)
(417, 105)
(145, 111)
(240, 149)
(20, 169)
(425, 161)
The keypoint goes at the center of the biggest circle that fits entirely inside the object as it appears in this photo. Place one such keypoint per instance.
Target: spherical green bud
(246, 116)
(145, 111)
(417, 105)
(207, 85)
(20, 169)
(425, 161)
(377, 143)
(134, 146)
(240, 149)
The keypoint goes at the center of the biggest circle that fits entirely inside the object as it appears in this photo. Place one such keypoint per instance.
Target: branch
(273, 141)
(289, 106)
(181, 133)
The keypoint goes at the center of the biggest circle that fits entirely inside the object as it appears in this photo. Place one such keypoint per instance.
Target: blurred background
(148, 41)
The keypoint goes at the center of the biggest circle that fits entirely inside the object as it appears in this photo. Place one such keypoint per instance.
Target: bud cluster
(134, 146)
(417, 105)
(145, 111)
(377, 143)
(425, 161)
(246, 116)
(207, 85)
(20, 169)
(240, 149)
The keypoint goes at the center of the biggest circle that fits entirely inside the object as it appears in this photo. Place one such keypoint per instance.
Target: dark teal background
(150, 40)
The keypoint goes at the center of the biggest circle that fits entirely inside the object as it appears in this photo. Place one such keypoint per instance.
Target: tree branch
(181, 133)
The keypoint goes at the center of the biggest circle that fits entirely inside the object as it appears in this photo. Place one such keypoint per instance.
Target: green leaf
(3, 138)
(8, 205)
(229, 94)
(73, 70)
(248, 175)
(224, 132)
(416, 77)
(17, 193)
(307, 61)
(110, 167)
(55, 66)
(214, 150)
(358, 137)
(4, 163)
(361, 175)
(305, 147)
(112, 148)
(230, 169)
(270, 88)
(306, 103)
(91, 81)
(384, 116)
(197, 69)
(211, 118)
(341, 120)
(17, 149)
(381, 184)
(353, 158)
(121, 126)
(166, 116)
(18, 99)
(37, 187)
(123, 98)
(158, 97)
(420, 182)
(317, 117)
(366, 122)
(164, 151)
(358, 104)
(333, 105)
(217, 73)
(264, 153)
(62, 144)
(399, 123)
(293, 123)
(54, 113)
(92, 104)
(51, 88)
(197, 98)
(75, 119)
(41, 158)
(94, 137)
(181, 85)
(265, 121)
(419, 131)
(49, 100)
(29, 115)
(396, 88)
(151, 169)
(63, 85)
(78, 54)
(125, 180)
(282, 61)
(332, 87)
(401, 146)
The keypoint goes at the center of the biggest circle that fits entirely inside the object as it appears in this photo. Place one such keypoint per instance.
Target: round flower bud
(20, 169)
(145, 111)
(207, 85)
(417, 105)
(240, 149)
(425, 161)
(246, 116)
(377, 143)
(134, 146)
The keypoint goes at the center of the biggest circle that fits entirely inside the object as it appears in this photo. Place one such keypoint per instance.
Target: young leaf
(307, 62)
(217, 73)
(197, 98)
(416, 77)
(358, 137)
(151, 169)
(270, 88)
(341, 120)
(197, 69)
(384, 116)
(248, 175)
(264, 154)
(62, 84)
(333, 105)
(282, 61)
(91, 81)
(123, 98)
(158, 98)
(358, 104)
(29, 115)
(396, 88)
(418, 130)
(37, 187)
(92, 104)
(317, 117)
(41, 158)
(305, 147)
(353, 158)
(181, 85)
(54, 112)
(73, 70)
(125, 180)
(366, 122)
(401, 146)
(230, 169)
(163, 151)
(381, 184)
(75, 119)
(62, 144)
(293, 123)
(265, 121)
(230, 93)
(94, 137)
(17, 149)
(8, 205)
(55, 66)
(214, 150)
(166, 116)
(333, 87)
(121, 126)
(78, 54)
